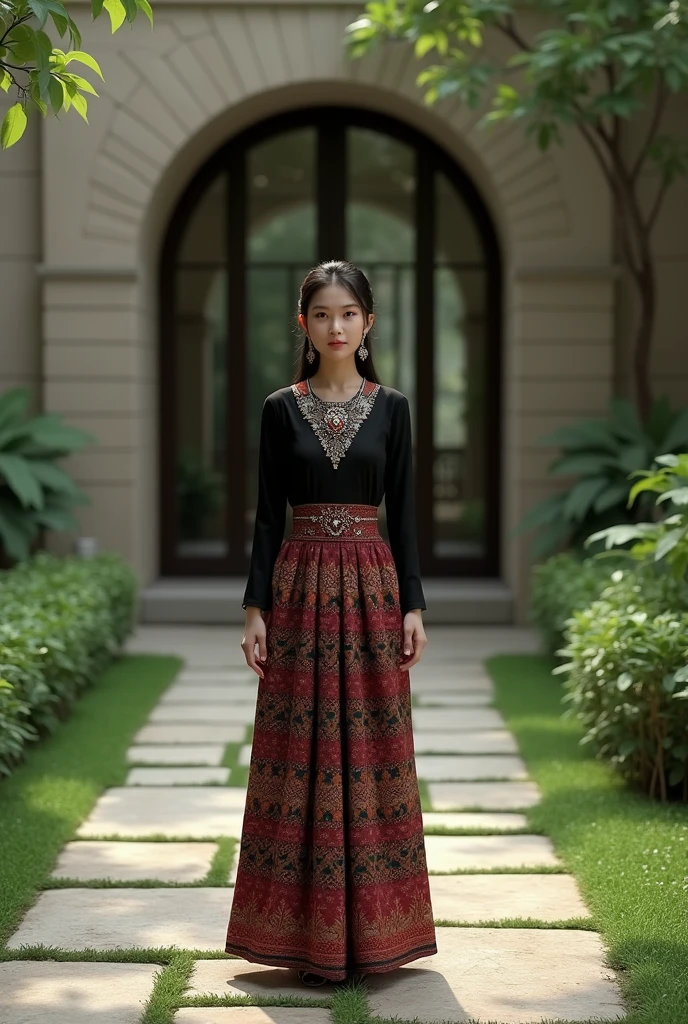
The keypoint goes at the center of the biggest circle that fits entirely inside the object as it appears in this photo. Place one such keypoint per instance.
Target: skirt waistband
(335, 522)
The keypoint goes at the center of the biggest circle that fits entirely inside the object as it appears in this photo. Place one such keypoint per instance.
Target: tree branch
(511, 32)
(660, 104)
(656, 206)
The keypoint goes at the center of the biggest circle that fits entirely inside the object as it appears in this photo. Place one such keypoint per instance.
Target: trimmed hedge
(627, 670)
(564, 584)
(62, 621)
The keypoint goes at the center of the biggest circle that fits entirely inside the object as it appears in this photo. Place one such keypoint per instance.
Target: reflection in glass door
(314, 185)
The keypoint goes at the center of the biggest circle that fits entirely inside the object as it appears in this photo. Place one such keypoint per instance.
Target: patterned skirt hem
(332, 973)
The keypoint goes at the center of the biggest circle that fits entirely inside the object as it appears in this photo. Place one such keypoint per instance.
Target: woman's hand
(414, 638)
(255, 633)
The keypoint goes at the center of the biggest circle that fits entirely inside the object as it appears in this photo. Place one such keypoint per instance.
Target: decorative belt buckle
(334, 521)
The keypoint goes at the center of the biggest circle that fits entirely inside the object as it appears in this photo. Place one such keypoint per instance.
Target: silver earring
(362, 350)
(310, 353)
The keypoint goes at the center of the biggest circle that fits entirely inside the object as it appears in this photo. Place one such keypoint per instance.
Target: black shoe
(311, 979)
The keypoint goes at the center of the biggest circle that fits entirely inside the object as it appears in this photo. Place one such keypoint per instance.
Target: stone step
(488, 796)
(176, 812)
(178, 776)
(88, 860)
(204, 600)
(480, 853)
(449, 767)
(178, 753)
(41, 991)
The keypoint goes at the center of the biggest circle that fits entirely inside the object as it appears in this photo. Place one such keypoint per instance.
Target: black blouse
(293, 467)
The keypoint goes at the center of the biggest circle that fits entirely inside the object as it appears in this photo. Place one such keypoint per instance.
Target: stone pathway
(158, 841)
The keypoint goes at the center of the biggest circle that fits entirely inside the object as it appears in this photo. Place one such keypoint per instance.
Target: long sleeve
(400, 506)
(271, 509)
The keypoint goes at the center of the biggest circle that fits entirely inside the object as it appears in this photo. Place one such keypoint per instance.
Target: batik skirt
(332, 875)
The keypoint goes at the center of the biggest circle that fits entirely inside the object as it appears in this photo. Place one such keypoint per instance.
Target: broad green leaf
(13, 126)
(613, 494)
(668, 542)
(550, 538)
(144, 6)
(676, 438)
(13, 406)
(423, 45)
(96, 7)
(5, 80)
(80, 104)
(116, 12)
(16, 531)
(582, 463)
(55, 94)
(541, 514)
(20, 479)
(80, 83)
(84, 58)
(581, 497)
(624, 682)
(679, 496)
(56, 436)
(52, 476)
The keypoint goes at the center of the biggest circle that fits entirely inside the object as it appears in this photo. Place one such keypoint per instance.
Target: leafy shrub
(627, 669)
(666, 538)
(35, 493)
(602, 453)
(61, 623)
(564, 584)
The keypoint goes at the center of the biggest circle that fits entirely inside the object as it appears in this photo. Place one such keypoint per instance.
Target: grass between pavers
(628, 853)
(48, 796)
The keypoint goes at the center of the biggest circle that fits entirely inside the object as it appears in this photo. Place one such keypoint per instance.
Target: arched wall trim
(430, 158)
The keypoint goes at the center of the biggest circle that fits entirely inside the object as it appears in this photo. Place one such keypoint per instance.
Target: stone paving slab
(127, 919)
(240, 978)
(510, 975)
(254, 1014)
(232, 714)
(471, 698)
(38, 992)
(175, 776)
(190, 693)
(449, 767)
(244, 755)
(474, 898)
(177, 753)
(180, 733)
(449, 853)
(129, 862)
(489, 796)
(449, 681)
(473, 819)
(443, 719)
(477, 741)
(174, 812)
(232, 675)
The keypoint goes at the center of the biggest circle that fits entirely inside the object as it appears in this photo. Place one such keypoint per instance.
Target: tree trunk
(647, 296)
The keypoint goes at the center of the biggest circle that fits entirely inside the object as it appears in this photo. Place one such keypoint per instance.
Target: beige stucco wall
(114, 183)
(20, 251)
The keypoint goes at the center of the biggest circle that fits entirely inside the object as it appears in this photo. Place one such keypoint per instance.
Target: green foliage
(595, 60)
(603, 454)
(665, 540)
(564, 584)
(34, 492)
(627, 670)
(61, 623)
(40, 71)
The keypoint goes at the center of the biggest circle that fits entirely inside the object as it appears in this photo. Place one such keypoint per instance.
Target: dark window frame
(331, 123)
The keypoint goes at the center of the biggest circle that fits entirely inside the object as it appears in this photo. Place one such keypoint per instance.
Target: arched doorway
(328, 183)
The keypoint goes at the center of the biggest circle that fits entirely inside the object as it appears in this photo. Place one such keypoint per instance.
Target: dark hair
(356, 283)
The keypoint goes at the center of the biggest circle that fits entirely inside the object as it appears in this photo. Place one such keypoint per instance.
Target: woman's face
(335, 322)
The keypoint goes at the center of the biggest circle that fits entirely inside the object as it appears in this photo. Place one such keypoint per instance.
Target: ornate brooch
(335, 423)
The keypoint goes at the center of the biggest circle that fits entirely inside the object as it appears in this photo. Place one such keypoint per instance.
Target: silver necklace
(335, 423)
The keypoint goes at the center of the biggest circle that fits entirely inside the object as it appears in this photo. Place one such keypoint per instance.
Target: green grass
(48, 796)
(628, 853)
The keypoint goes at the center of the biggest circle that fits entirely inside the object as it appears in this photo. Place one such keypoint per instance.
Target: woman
(332, 878)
